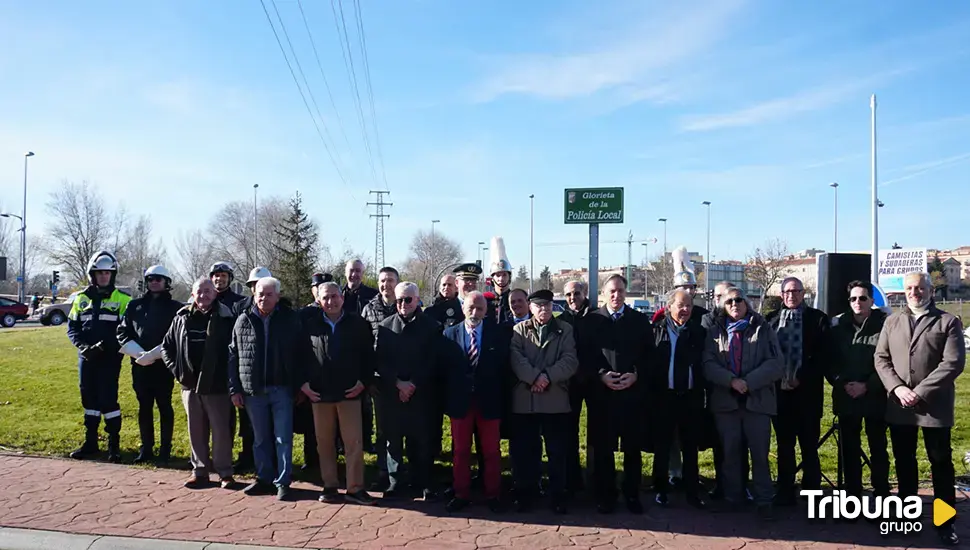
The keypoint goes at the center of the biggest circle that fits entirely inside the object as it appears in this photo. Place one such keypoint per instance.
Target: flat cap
(470, 270)
(541, 296)
(320, 278)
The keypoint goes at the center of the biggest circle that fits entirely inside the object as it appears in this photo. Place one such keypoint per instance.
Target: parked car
(12, 311)
(56, 314)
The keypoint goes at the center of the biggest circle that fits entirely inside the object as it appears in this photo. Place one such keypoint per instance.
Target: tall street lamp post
(707, 256)
(663, 263)
(835, 185)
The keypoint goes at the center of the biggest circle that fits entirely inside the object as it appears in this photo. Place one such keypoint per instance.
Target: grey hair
(271, 281)
(198, 283)
(787, 280)
(924, 278)
(674, 293)
(406, 287)
(725, 284)
(578, 283)
(355, 261)
(322, 287)
(475, 295)
(739, 292)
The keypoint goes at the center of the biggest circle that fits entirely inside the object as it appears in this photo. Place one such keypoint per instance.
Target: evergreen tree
(522, 278)
(298, 253)
(545, 279)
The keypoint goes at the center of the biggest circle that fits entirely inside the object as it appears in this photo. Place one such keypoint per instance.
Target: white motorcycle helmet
(256, 274)
(103, 261)
(159, 271)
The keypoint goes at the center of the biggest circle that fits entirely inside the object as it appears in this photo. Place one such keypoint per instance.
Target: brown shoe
(196, 483)
(227, 482)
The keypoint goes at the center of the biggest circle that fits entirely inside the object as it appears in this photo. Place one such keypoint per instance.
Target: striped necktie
(473, 349)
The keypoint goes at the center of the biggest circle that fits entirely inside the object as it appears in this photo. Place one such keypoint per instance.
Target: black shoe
(144, 456)
(785, 498)
(766, 512)
(606, 506)
(429, 495)
(361, 498)
(392, 492)
(258, 488)
(381, 485)
(330, 496)
(634, 505)
(284, 493)
(948, 535)
(85, 451)
(697, 501)
(496, 506)
(717, 493)
(195, 482)
(163, 459)
(662, 499)
(457, 504)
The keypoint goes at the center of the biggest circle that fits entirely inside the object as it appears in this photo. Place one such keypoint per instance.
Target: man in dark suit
(620, 350)
(409, 348)
(803, 335)
(581, 385)
(356, 293)
(475, 374)
(919, 356)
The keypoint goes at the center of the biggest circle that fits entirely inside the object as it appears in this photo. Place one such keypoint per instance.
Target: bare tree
(426, 253)
(336, 264)
(8, 228)
(232, 236)
(195, 255)
(136, 251)
(767, 265)
(80, 226)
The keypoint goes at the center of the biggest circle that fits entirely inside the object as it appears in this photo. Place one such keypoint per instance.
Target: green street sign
(593, 205)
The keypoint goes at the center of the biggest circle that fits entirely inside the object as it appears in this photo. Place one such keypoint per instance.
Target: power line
(326, 83)
(303, 97)
(296, 59)
(348, 54)
(370, 90)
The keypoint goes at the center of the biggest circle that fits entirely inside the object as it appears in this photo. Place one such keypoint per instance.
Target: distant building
(734, 272)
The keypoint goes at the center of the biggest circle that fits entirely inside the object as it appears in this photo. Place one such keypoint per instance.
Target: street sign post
(593, 206)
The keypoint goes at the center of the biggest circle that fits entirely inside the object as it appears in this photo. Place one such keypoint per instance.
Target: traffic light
(56, 277)
(141, 286)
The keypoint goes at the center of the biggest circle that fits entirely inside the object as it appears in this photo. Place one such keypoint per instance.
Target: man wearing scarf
(918, 358)
(804, 340)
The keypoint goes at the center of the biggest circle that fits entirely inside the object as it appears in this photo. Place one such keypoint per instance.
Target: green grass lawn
(40, 408)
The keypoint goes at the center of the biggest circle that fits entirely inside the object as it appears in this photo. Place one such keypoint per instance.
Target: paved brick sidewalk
(106, 499)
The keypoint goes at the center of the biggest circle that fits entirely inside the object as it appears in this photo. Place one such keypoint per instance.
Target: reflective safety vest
(97, 319)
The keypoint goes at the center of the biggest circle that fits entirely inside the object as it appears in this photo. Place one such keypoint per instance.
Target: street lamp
(835, 185)
(23, 236)
(480, 245)
(532, 244)
(255, 229)
(433, 249)
(663, 264)
(707, 257)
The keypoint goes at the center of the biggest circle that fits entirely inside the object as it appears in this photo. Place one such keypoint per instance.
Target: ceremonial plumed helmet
(683, 268)
(499, 259)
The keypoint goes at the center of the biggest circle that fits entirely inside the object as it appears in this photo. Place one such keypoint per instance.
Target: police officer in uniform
(221, 275)
(500, 270)
(140, 336)
(91, 327)
(468, 276)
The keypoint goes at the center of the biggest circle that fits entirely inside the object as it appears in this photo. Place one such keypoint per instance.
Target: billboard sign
(895, 264)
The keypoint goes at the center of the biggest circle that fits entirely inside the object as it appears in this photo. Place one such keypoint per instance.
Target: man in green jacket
(857, 392)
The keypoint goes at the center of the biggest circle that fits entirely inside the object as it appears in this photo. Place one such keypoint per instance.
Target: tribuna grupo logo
(894, 514)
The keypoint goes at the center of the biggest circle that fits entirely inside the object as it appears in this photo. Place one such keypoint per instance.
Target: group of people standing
(501, 365)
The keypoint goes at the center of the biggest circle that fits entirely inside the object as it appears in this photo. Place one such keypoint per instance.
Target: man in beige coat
(543, 361)
(918, 358)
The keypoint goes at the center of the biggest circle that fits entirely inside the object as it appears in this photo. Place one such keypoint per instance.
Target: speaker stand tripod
(835, 432)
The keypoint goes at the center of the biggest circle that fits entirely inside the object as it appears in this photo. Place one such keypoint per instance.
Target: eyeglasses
(154, 278)
(405, 300)
(858, 298)
(732, 301)
(793, 291)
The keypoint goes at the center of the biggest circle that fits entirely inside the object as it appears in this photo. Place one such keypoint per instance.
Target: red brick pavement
(106, 499)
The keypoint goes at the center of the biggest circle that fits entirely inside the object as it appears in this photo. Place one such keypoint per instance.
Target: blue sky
(175, 107)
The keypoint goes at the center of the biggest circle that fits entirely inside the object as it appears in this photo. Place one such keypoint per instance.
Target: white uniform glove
(149, 357)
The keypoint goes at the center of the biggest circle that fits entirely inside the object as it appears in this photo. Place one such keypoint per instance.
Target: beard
(473, 321)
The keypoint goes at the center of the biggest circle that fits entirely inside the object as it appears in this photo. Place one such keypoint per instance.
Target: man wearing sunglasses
(803, 335)
(142, 328)
(580, 387)
(857, 393)
(409, 347)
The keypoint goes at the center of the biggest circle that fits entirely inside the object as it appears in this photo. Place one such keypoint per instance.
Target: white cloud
(638, 60)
